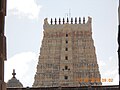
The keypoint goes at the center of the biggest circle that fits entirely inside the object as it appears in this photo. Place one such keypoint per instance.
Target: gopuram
(67, 55)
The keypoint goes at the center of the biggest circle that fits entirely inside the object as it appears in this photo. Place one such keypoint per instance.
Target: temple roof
(14, 82)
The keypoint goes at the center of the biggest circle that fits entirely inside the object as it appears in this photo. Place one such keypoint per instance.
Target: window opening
(66, 35)
(66, 49)
(66, 41)
(65, 77)
(66, 67)
(66, 57)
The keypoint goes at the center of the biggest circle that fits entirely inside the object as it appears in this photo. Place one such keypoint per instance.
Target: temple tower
(67, 55)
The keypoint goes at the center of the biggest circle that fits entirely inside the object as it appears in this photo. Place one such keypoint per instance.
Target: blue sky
(24, 32)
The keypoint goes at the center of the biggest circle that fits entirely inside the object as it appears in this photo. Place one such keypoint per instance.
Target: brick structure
(67, 55)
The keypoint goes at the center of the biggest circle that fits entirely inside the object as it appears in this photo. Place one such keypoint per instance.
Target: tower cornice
(61, 21)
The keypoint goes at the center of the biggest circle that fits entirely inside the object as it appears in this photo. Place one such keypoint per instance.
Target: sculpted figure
(89, 20)
(45, 21)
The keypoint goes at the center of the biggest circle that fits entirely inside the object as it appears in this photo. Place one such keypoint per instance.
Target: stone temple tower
(67, 55)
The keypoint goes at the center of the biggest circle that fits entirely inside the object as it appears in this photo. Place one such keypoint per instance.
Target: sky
(24, 32)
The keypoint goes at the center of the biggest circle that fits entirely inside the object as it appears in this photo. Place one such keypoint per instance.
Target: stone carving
(45, 21)
(67, 56)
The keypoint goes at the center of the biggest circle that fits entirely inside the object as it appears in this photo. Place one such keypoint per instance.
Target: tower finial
(67, 20)
(51, 21)
(63, 21)
(59, 21)
(79, 20)
(13, 73)
(83, 20)
(55, 21)
(71, 20)
(75, 20)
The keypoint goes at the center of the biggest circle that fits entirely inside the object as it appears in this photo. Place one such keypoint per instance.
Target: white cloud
(28, 8)
(101, 63)
(24, 65)
(109, 70)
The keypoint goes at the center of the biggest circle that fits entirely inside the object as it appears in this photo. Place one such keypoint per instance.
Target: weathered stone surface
(67, 56)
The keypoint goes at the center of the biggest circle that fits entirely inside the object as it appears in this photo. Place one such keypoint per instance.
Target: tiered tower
(67, 55)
